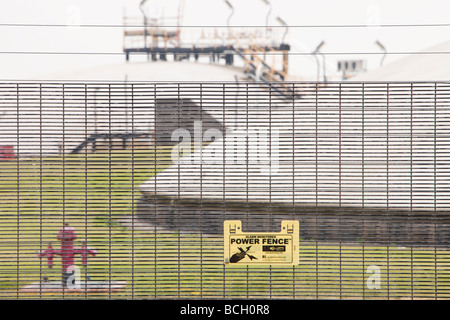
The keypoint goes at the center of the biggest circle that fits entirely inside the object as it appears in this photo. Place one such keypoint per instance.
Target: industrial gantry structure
(161, 37)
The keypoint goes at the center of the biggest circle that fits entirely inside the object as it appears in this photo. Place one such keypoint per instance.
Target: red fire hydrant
(67, 251)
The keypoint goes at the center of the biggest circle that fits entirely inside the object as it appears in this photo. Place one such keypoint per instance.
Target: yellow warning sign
(265, 248)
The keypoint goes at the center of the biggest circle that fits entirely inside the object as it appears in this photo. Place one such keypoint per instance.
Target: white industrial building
(54, 114)
(372, 150)
(431, 64)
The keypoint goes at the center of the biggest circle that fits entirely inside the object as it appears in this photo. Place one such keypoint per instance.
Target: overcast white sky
(214, 12)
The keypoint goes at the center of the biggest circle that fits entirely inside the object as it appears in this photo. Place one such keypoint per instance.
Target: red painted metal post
(7, 153)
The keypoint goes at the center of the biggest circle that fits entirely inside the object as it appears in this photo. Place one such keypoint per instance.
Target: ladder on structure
(259, 70)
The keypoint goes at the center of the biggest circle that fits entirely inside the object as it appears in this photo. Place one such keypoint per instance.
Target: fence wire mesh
(124, 187)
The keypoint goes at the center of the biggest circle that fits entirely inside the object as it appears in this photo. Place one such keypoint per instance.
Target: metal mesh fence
(123, 188)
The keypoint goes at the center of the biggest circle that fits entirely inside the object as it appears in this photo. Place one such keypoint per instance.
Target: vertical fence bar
(410, 242)
(316, 186)
(86, 179)
(247, 151)
(363, 191)
(294, 151)
(224, 213)
(340, 186)
(387, 192)
(40, 185)
(435, 194)
(18, 190)
(132, 156)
